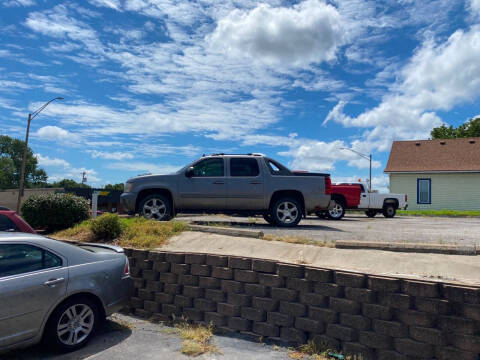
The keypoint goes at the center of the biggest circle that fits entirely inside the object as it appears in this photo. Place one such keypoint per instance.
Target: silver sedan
(58, 292)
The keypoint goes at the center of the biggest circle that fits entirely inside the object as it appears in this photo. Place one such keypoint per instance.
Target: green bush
(55, 211)
(107, 227)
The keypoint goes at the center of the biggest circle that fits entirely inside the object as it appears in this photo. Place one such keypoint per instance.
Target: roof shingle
(435, 155)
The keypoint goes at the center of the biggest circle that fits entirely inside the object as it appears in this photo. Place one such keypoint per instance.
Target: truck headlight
(128, 187)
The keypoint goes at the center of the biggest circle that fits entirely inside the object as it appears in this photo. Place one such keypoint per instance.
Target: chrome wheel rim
(75, 324)
(154, 209)
(336, 211)
(287, 212)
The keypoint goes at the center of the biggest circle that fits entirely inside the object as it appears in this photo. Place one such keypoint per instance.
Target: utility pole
(25, 150)
(365, 156)
(84, 177)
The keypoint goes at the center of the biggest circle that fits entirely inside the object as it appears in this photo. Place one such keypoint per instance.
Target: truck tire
(287, 212)
(268, 218)
(389, 210)
(371, 213)
(156, 207)
(337, 212)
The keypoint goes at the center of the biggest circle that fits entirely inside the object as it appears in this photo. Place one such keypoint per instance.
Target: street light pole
(365, 156)
(25, 150)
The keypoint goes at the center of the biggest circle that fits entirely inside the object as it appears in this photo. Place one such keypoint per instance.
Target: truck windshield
(276, 168)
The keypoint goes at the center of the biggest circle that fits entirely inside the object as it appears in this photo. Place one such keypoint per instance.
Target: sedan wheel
(155, 207)
(287, 212)
(72, 324)
(75, 324)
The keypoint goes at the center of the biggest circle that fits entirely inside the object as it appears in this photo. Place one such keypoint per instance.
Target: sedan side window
(209, 167)
(6, 224)
(22, 258)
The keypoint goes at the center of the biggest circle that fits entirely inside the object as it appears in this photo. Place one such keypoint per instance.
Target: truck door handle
(256, 183)
(364, 195)
(53, 282)
(218, 182)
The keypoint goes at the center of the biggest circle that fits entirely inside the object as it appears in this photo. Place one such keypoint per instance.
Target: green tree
(11, 154)
(69, 183)
(114, 187)
(469, 129)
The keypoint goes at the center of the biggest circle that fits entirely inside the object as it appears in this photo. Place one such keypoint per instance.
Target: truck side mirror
(189, 172)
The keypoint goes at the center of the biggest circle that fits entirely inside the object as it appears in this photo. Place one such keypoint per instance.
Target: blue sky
(150, 85)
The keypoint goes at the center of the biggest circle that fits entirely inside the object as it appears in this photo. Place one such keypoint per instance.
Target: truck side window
(276, 168)
(244, 167)
(209, 167)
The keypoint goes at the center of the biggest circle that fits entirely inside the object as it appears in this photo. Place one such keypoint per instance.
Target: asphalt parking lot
(440, 230)
(125, 338)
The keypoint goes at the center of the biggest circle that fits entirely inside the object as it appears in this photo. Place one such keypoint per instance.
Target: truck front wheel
(287, 212)
(370, 213)
(389, 211)
(156, 207)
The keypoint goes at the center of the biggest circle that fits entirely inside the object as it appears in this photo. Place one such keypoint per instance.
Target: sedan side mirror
(189, 172)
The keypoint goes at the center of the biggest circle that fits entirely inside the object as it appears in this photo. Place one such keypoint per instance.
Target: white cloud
(55, 133)
(144, 167)
(116, 155)
(438, 77)
(112, 4)
(15, 3)
(58, 23)
(313, 155)
(310, 31)
(59, 169)
(53, 162)
(475, 7)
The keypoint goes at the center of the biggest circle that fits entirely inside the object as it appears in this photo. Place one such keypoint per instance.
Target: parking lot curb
(410, 247)
(227, 231)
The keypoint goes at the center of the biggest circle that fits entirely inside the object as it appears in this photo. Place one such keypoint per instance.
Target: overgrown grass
(298, 240)
(137, 232)
(440, 213)
(314, 351)
(196, 339)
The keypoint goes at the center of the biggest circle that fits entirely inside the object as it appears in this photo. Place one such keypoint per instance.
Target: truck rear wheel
(337, 212)
(389, 210)
(287, 212)
(156, 207)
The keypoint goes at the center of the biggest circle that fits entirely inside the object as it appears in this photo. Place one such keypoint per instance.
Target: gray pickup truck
(251, 184)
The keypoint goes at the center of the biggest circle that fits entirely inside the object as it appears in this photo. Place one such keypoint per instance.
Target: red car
(10, 221)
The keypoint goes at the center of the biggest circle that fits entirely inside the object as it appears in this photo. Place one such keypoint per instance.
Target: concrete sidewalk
(454, 268)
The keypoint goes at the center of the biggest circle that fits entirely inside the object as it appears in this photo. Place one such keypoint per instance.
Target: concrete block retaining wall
(378, 317)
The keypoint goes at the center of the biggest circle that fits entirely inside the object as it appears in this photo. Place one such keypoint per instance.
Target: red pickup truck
(357, 196)
(10, 221)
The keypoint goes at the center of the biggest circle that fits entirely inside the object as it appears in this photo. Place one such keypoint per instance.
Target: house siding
(452, 191)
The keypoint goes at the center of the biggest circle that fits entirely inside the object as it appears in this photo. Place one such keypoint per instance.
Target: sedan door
(206, 188)
(245, 185)
(32, 281)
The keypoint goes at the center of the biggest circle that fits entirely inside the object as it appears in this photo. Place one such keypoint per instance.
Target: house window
(424, 191)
